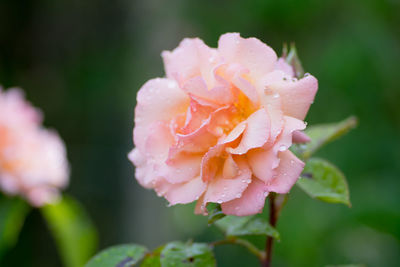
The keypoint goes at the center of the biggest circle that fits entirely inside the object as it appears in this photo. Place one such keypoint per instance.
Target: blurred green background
(82, 63)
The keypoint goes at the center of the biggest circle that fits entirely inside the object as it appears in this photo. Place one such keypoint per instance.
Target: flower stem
(237, 241)
(273, 217)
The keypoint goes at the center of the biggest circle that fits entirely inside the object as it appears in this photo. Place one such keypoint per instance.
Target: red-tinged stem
(273, 217)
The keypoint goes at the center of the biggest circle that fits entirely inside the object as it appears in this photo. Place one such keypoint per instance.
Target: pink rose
(33, 160)
(219, 126)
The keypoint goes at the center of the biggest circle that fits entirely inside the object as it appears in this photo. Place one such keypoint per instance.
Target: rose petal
(191, 58)
(220, 190)
(296, 95)
(289, 170)
(195, 117)
(158, 100)
(185, 192)
(181, 169)
(219, 94)
(282, 65)
(262, 163)
(230, 168)
(256, 133)
(211, 161)
(254, 55)
(251, 202)
(284, 141)
(158, 141)
(144, 170)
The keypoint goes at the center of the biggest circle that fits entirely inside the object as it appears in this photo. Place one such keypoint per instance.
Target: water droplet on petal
(282, 148)
(238, 195)
(219, 201)
(275, 95)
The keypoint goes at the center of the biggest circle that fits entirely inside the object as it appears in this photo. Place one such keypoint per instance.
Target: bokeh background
(82, 63)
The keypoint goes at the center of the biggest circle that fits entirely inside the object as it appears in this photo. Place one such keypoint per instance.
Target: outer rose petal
(296, 95)
(256, 56)
(143, 171)
(185, 192)
(251, 202)
(157, 100)
(285, 139)
(191, 58)
(256, 133)
(288, 172)
(285, 67)
(158, 141)
(180, 170)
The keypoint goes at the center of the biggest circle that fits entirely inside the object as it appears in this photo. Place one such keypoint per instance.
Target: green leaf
(322, 180)
(152, 259)
(178, 254)
(293, 59)
(322, 134)
(214, 213)
(73, 231)
(249, 225)
(119, 256)
(12, 216)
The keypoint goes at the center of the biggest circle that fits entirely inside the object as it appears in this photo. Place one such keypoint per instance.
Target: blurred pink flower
(33, 160)
(219, 126)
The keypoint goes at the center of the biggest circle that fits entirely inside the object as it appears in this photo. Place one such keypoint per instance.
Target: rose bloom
(218, 128)
(33, 160)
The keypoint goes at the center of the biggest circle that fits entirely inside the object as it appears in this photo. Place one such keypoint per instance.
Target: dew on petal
(282, 148)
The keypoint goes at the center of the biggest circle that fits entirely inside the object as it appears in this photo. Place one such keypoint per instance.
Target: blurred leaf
(152, 259)
(293, 59)
(248, 225)
(119, 256)
(73, 231)
(12, 215)
(214, 213)
(322, 134)
(382, 220)
(347, 265)
(178, 254)
(322, 180)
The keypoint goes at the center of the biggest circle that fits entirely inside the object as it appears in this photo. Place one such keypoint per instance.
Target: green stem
(237, 241)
